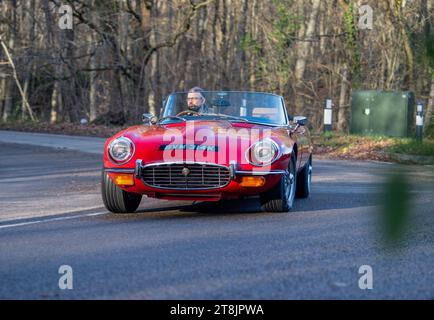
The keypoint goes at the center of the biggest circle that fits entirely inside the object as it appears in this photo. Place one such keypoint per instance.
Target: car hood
(219, 141)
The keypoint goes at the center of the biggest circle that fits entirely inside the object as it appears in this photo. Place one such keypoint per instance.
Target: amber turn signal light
(124, 179)
(252, 181)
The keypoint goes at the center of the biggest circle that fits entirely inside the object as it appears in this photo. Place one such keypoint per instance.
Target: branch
(133, 13)
(172, 42)
(14, 73)
(185, 27)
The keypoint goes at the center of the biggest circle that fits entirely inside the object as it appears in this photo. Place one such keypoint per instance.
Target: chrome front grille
(188, 176)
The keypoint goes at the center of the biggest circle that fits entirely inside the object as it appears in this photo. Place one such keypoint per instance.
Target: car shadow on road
(317, 202)
(324, 196)
(222, 207)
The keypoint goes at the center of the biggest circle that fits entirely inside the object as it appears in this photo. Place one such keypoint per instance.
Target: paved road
(51, 214)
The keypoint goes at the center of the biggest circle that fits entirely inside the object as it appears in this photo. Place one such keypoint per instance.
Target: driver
(196, 101)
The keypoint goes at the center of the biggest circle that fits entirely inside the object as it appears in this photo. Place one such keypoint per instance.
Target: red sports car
(210, 146)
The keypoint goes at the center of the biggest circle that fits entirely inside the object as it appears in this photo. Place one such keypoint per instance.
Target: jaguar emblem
(185, 172)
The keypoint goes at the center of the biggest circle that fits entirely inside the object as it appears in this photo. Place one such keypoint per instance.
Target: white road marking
(51, 220)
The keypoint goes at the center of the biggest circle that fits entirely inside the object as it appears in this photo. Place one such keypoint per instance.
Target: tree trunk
(15, 76)
(91, 38)
(302, 56)
(8, 100)
(29, 62)
(55, 103)
(252, 61)
(52, 40)
(122, 50)
(151, 88)
(68, 84)
(343, 106)
(10, 82)
(395, 15)
(3, 86)
(430, 106)
(93, 111)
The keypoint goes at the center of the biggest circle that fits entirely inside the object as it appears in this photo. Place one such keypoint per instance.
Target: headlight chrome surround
(255, 154)
(121, 150)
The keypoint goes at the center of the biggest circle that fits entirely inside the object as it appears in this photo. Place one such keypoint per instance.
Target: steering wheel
(188, 112)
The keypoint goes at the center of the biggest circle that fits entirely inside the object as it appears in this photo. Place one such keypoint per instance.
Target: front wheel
(117, 200)
(281, 197)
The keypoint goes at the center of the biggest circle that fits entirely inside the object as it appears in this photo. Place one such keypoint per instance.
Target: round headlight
(263, 153)
(121, 150)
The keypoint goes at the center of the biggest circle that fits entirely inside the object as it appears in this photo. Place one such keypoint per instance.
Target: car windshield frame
(278, 104)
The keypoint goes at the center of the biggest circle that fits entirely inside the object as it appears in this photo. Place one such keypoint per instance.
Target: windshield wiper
(219, 115)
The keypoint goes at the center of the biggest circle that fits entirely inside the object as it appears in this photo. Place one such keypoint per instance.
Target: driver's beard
(194, 108)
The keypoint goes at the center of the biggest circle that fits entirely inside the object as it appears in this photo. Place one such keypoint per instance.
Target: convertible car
(239, 144)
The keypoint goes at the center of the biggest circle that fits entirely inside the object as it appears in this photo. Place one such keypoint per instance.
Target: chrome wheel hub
(289, 185)
(309, 177)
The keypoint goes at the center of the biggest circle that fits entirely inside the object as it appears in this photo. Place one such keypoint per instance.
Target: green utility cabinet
(386, 113)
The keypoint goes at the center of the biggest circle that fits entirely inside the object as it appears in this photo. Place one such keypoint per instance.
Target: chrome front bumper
(232, 169)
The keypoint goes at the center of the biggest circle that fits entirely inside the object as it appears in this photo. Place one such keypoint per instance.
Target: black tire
(281, 197)
(117, 200)
(304, 180)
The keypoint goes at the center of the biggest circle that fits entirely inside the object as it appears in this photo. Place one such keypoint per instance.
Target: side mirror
(300, 120)
(149, 118)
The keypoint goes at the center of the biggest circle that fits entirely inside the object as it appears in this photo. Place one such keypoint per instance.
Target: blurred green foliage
(429, 132)
(413, 147)
(408, 146)
(352, 44)
(395, 206)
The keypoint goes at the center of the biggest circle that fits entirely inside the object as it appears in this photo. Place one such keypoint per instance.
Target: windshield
(255, 107)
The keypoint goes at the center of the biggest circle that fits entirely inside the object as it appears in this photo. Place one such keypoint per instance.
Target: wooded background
(122, 57)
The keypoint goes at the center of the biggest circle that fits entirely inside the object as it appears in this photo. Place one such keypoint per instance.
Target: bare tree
(123, 56)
